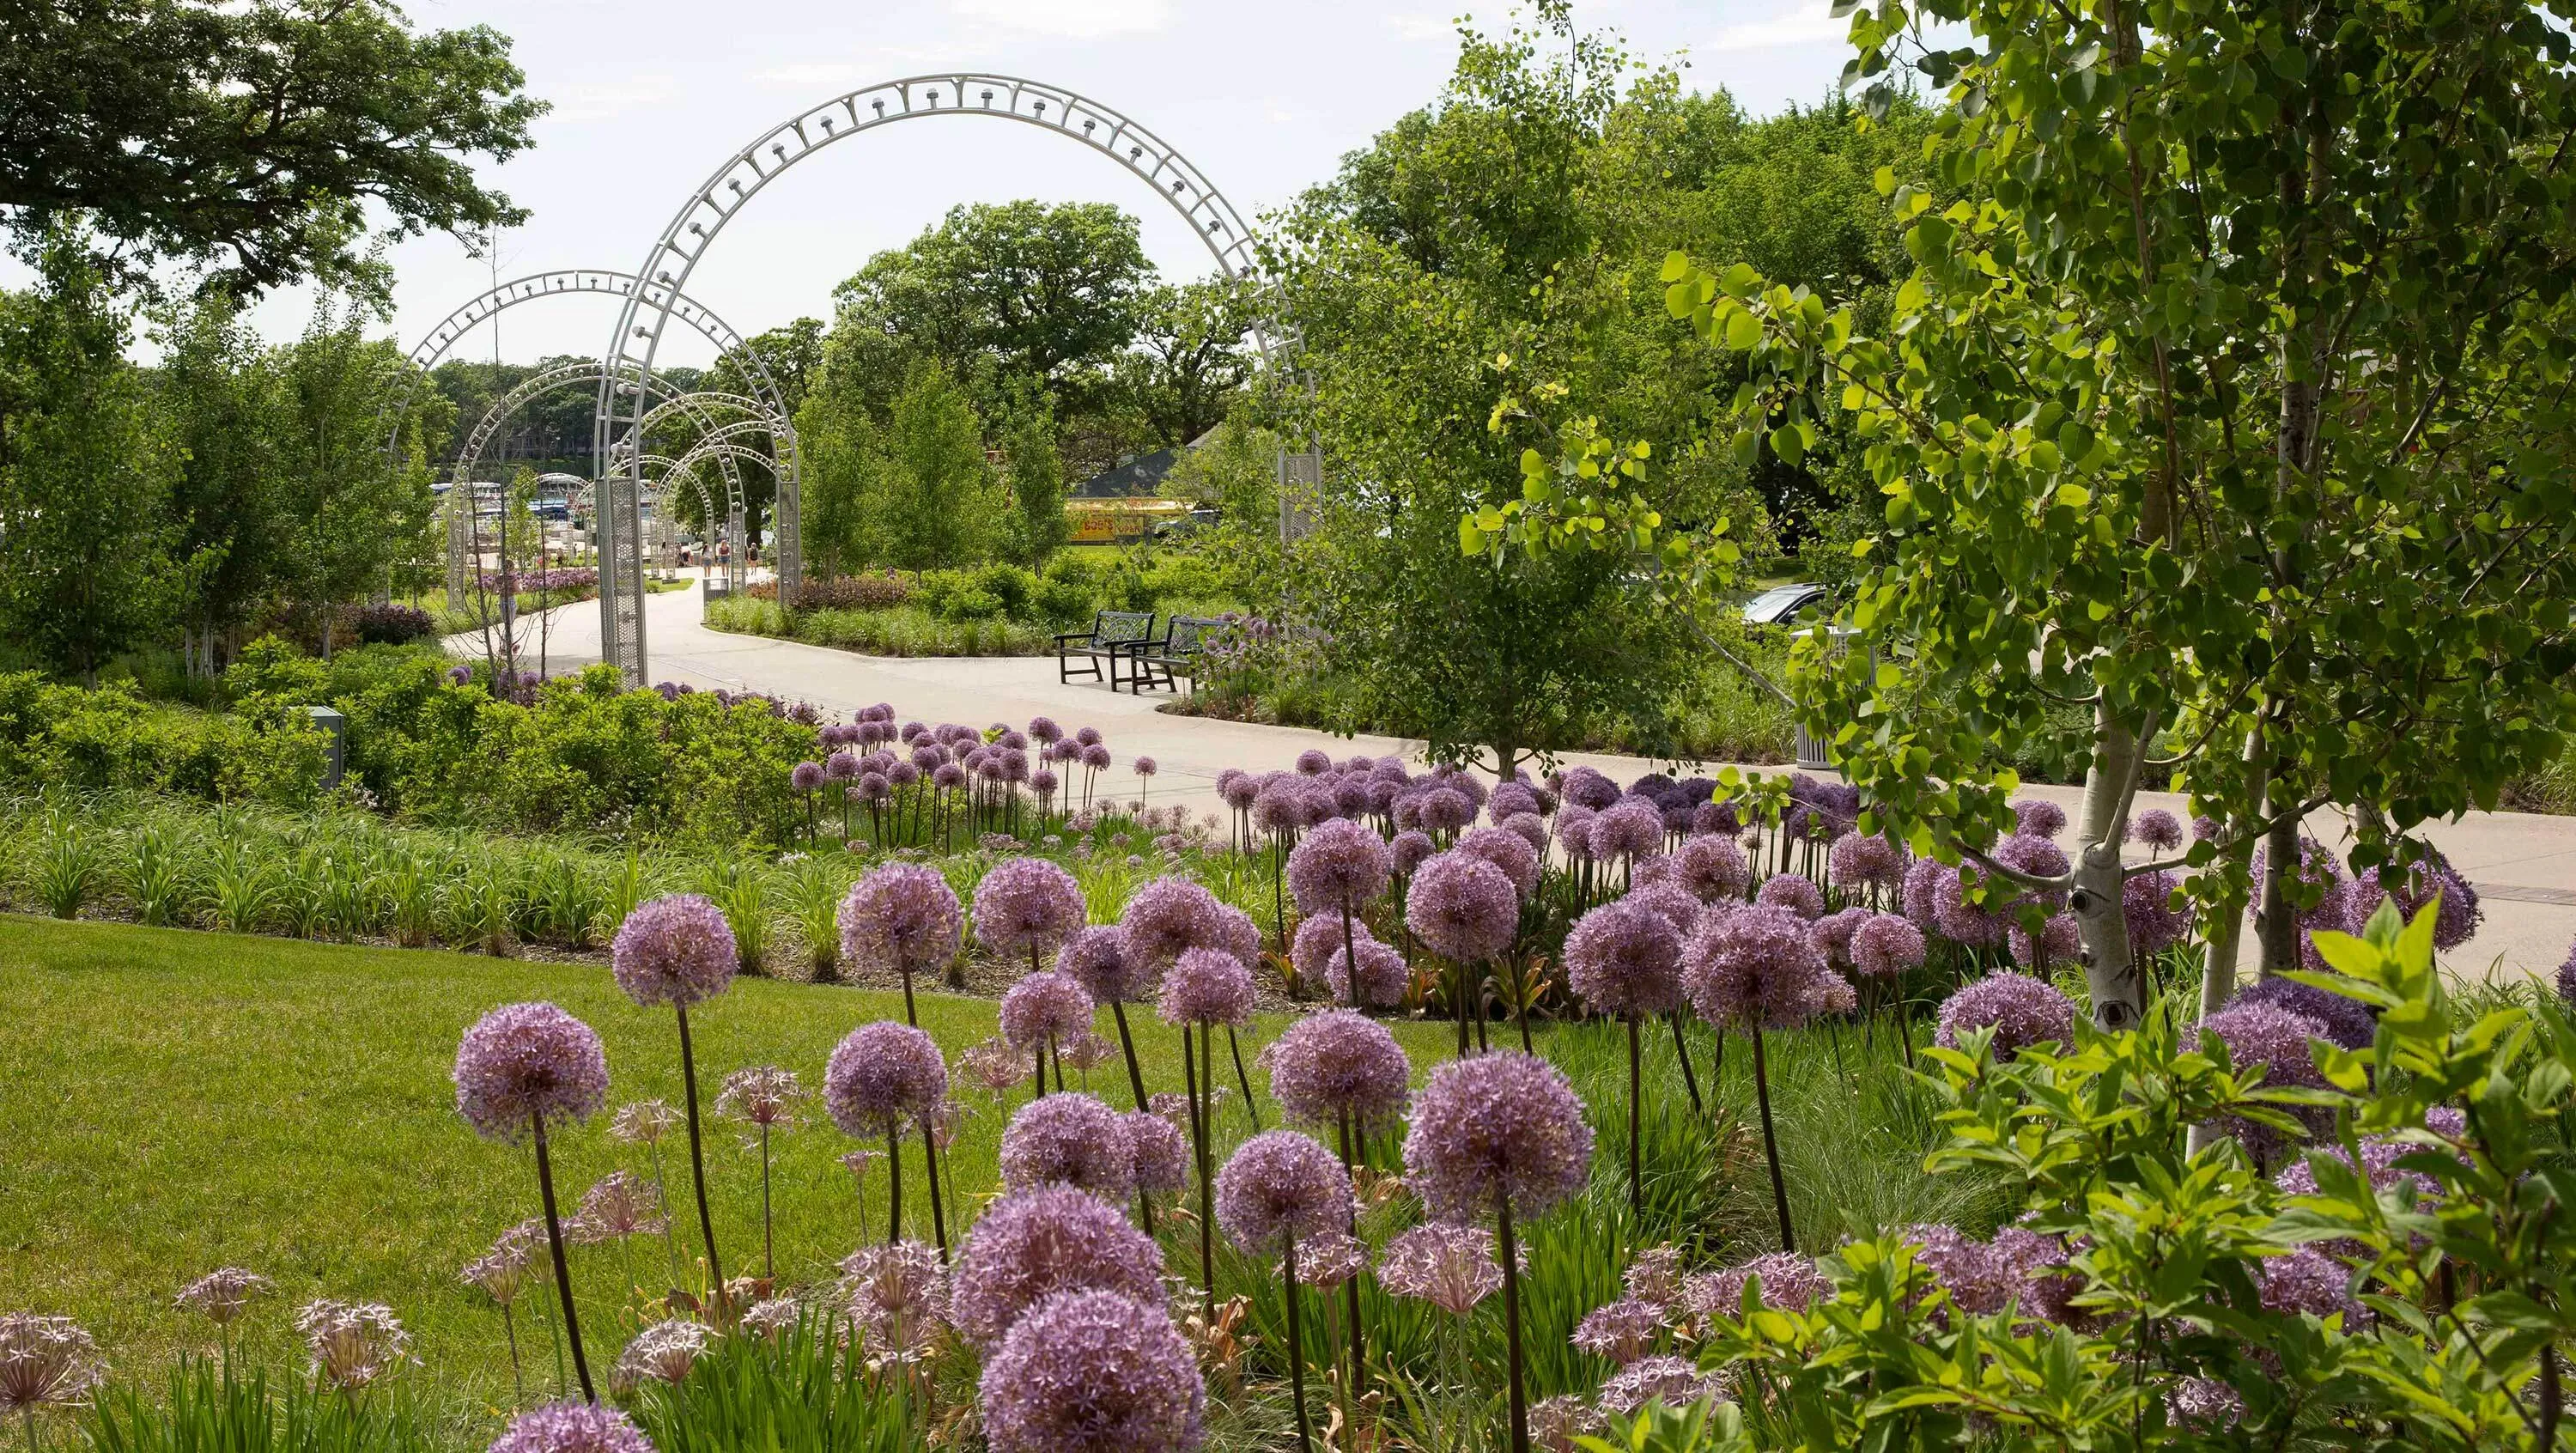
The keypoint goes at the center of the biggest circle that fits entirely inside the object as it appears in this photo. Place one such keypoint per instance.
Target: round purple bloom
(841, 766)
(1668, 900)
(1790, 891)
(1574, 831)
(1507, 850)
(1313, 762)
(1098, 958)
(1885, 945)
(1834, 934)
(1676, 1382)
(1630, 828)
(2157, 829)
(2344, 1022)
(1463, 908)
(1044, 729)
(2038, 817)
(2275, 1041)
(523, 1063)
(1587, 788)
(1383, 975)
(1337, 867)
(1095, 756)
(1445, 810)
(1093, 1372)
(1207, 986)
(1624, 958)
(1086, 736)
(675, 950)
(1922, 893)
(1711, 867)
(2309, 1282)
(1622, 1331)
(1279, 1186)
(1496, 1126)
(1527, 827)
(2460, 912)
(1144, 766)
(1315, 941)
(1339, 1065)
(2060, 940)
(2021, 1010)
(948, 776)
(1044, 1008)
(1865, 860)
(2147, 905)
(1790, 1283)
(1026, 906)
(1031, 1244)
(1158, 1156)
(1757, 965)
(1410, 850)
(901, 916)
(1168, 917)
(2036, 855)
(805, 776)
(1069, 1139)
(881, 1075)
(1511, 799)
(1959, 921)
(571, 1428)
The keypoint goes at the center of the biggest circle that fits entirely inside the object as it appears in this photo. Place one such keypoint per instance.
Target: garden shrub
(53, 734)
(841, 592)
(393, 623)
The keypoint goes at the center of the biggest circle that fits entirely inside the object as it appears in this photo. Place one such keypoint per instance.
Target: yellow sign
(1120, 521)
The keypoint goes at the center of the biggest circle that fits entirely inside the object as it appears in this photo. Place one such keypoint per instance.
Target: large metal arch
(649, 307)
(708, 399)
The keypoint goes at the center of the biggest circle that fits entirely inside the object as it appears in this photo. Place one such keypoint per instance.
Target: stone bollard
(336, 727)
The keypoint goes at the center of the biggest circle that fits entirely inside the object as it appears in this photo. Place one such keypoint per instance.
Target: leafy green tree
(259, 139)
(1034, 473)
(345, 505)
(934, 499)
(1190, 356)
(2226, 401)
(87, 467)
(220, 392)
(839, 448)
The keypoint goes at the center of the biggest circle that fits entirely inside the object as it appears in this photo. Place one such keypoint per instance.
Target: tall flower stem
(1250, 1107)
(768, 1241)
(1350, 956)
(1690, 1080)
(908, 1016)
(894, 1186)
(1199, 1155)
(1512, 1327)
(1127, 1044)
(1636, 1155)
(662, 1192)
(509, 1330)
(1350, 1385)
(555, 1249)
(697, 1174)
(1296, 1352)
(938, 1213)
(1770, 1143)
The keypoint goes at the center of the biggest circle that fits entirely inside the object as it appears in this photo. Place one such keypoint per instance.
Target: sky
(650, 96)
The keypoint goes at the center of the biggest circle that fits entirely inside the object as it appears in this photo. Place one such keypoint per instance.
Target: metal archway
(650, 307)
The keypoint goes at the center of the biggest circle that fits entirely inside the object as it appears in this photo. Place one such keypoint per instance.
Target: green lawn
(176, 1101)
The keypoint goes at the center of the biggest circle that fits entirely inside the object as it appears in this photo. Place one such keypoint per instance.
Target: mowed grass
(173, 1101)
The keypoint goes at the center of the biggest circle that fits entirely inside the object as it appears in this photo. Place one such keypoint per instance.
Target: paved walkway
(2524, 865)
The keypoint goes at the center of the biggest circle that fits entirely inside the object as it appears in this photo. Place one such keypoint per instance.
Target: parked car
(1788, 605)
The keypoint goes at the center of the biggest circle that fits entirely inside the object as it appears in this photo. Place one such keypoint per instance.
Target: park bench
(1160, 663)
(1111, 635)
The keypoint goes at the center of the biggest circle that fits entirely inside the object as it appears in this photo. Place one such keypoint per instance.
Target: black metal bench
(1112, 634)
(1161, 663)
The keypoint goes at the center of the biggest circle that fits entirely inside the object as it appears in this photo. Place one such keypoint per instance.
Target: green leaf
(1743, 330)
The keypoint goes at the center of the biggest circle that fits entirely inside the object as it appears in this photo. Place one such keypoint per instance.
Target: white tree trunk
(2118, 990)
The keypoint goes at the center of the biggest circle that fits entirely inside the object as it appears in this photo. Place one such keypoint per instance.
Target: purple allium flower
(1757, 965)
(1585, 787)
(1527, 827)
(222, 1295)
(2460, 913)
(664, 1352)
(1279, 806)
(1331, 1259)
(805, 776)
(2274, 1040)
(1382, 980)
(2147, 906)
(1026, 906)
(1675, 1382)
(1207, 986)
(571, 1428)
(1098, 958)
(1093, 1372)
(1449, 1265)
(1886, 945)
(1158, 1155)
(1043, 729)
(1511, 799)
(2344, 1022)
(1716, 819)
(1281, 1185)
(1630, 828)
(1168, 917)
(1337, 867)
(2309, 1282)
(2038, 817)
(1556, 1423)
(1834, 934)
(1144, 766)
(1789, 1283)
(948, 776)
(1314, 762)
(2021, 1010)
(1408, 851)
(1624, 958)
(1507, 850)
(881, 1075)
(1574, 832)
(503, 1270)
(1865, 860)
(1921, 896)
(1952, 914)
(1655, 1275)
(1314, 943)
(2038, 856)
(1668, 901)
(2157, 829)
(1979, 1282)
(765, 1095)
(2567, 979)
(1495, 1126)
(617, 1205)
(1444, 810)
(2060, 940)
(1031, 1244)
(898, 1293)
(352, 1343)
(1235, 933)
(675, 950)
(45, 1361)
(2204, 1405)
(1070, 1139)
(1790, 891)
(1340, 1064)
(1044, 1008)
(1463, 908)
(2320, 876)
(1622, 1331)
(527, 1062)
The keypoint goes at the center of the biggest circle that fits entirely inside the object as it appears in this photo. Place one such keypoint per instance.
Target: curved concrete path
(2523, 864)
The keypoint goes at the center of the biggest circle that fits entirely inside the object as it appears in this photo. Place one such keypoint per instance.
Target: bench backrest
(1190, 633)
(1119, 627)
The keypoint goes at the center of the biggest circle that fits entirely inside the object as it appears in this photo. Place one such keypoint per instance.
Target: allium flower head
(2344, 1022)
(1314, 762)
(1574, 832)
(1587, 788)
(1281, 1185)
(2038, 817)
(2060, 940)
(527, 1062)
(45, 1361)
(1757, 965)
(2460, 913)
(1463, 908)
(1158, 1156)
(1044, 1008)
(2147, 907)
(1496, 1126)
(1511, 799)
(1865, 860)
(1098, 958)
(1886, 945)
(2204, 1405)
(222, 1295)
(1676, 1382)
(1790, 891)
(764, 1095)
(1444, 810)
(902, 917)
(1624, 958)
(617, 1205)
(1622, 1331)
(897, 1294)
(1207, 986)
(643, 1122)
(2157, 829)
(1630, 828)
(1316, 940)
(1026, 905)
(881, 1075)
(1979, 1282)
(1071, 1139)
(1408, 851)
(805, 776)
(1834, 934)
(1168, 917)
(503, 1270)
(1444, 1263)
(1506, 850)
(2309, 1282)
(2275, 1040)
(1655, 1275)
(571, 1428)
(1093, 1372)
(2021, 1010)
(1331, 1259)
(1555, 1423)
(1031, 1244)
(352, 1343)
(665, 1351)
(675, 950)
(1336, 1064)
(1789, 1283)
(1382, 980)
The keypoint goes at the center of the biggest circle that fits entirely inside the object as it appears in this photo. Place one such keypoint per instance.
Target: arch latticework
(650, 307)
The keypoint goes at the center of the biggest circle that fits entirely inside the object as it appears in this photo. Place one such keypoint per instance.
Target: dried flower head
(901, 918)
(45, 1361)
(665, 1351)
(222, 1295)
(1655, 1275)
(616, 1206)
(1555, 1423)
(503, 1271)
(1788, 1282)
(674, 950)
(1069, 1139)
(1497, 1126)
(897, 1294)
(1032, 1244)
(765, 1095)
(1340, 1067)
(1093, 1372)
(1675, 1382)
(1441, 1262)
(881, 1075)
(523, 1063)
(643, 1122)
(353, 1343)
(2204, 1405)
(571, 1428)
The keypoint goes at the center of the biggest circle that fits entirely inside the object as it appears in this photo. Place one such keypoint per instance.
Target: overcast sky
(650, 95)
